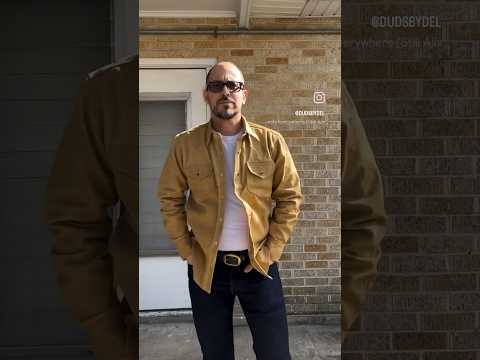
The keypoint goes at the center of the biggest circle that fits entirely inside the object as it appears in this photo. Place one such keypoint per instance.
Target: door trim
(175, 64)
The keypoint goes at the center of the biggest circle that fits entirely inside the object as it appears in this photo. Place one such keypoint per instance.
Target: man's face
(224, 102)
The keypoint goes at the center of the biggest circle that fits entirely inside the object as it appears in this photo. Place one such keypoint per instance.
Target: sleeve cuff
(276, 250)
(184, 246)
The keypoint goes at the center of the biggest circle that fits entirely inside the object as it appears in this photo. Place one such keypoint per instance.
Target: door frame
(150, 264)
(175, 63)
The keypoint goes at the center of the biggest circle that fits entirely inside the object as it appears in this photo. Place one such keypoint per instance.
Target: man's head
(225, 92)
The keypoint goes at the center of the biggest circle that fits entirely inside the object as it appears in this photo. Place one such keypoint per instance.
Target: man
(225, 229)
(96, 167)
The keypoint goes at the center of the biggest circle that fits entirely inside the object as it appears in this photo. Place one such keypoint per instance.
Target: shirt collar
(246, 129)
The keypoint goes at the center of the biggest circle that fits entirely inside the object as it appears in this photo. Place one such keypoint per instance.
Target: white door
(170, 102)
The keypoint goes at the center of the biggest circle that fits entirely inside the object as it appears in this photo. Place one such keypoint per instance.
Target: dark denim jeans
(263, 305)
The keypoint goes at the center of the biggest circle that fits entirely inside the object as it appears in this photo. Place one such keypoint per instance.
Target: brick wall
(420, 108)
(282, 72)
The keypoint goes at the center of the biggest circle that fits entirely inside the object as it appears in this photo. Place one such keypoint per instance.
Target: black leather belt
(233, 258)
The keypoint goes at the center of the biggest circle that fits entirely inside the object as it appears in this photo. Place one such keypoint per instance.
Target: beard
(224, 112)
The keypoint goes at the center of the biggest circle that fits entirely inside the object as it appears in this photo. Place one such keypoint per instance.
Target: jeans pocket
(273, 270)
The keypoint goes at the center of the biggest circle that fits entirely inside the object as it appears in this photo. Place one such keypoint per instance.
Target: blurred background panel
(47, 48)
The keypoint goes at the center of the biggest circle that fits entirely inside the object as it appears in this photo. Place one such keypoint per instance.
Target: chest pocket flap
(199, 171)
(263, 169)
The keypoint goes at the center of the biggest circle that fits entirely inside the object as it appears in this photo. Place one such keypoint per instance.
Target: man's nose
(225, 89)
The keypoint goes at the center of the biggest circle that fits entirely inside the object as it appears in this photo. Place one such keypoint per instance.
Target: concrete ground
(176, 340)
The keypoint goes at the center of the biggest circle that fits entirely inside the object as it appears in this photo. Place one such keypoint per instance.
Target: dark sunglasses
(217, 86)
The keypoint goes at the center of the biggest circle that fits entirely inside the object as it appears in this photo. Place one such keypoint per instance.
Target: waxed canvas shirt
(264, 172)
(363, 213)
(96, 167)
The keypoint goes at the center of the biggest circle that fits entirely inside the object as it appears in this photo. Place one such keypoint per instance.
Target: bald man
(227, 228)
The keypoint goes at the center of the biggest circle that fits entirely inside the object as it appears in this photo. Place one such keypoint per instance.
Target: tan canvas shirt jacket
(96, 165)
(363, 213)
(264, 171)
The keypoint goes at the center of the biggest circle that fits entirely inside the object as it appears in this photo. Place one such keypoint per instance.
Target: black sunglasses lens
(217, 86)
(233, 85)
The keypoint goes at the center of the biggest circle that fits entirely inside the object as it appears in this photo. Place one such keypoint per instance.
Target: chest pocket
(260, 177)
(200, 179)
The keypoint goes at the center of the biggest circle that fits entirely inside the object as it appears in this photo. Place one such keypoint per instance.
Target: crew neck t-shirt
(234, 235)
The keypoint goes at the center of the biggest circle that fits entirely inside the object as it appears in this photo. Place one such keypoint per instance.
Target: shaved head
(224, 69)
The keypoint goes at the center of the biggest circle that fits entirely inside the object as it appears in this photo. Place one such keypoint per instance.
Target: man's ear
(245, 94)
(205, 95)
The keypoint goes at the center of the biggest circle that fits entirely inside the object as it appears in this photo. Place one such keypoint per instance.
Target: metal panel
(258, 8)
(160, 121)
(42, 66)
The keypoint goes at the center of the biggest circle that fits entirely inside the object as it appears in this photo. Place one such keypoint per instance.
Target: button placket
(215, 153)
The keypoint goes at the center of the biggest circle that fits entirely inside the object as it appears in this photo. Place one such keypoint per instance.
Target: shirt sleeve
(172, 186)
(363, 213)
(79, 191)
(288, 197)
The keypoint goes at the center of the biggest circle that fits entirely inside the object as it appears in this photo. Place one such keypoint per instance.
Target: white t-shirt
(234, 234)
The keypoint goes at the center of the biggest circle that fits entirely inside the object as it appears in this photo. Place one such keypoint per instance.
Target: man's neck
(227, 127)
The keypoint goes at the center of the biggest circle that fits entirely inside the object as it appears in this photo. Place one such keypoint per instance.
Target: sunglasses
(217, 86)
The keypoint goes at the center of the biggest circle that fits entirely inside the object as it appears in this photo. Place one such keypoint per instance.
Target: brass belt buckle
(231, 260)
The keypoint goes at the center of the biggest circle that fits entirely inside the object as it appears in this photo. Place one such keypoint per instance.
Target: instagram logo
(319, 97)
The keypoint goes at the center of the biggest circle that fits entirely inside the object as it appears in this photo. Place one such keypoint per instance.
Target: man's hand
(189, 259)
(249, 267)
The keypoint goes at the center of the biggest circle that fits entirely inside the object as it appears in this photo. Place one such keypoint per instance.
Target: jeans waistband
(236, 252)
